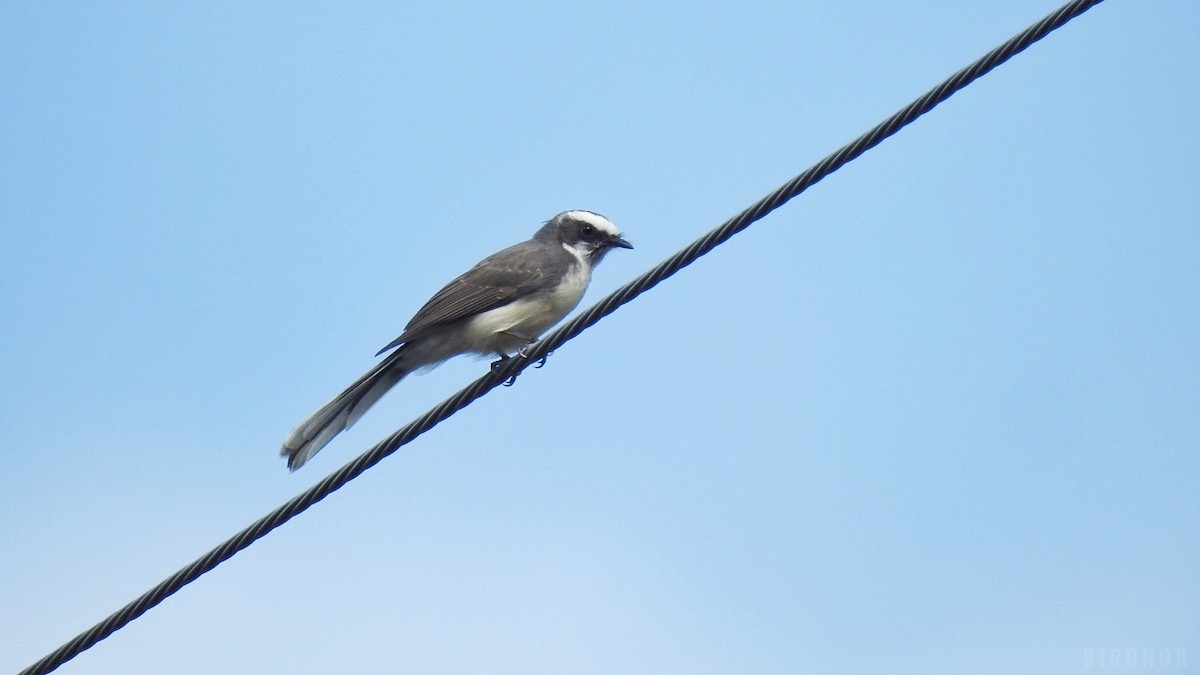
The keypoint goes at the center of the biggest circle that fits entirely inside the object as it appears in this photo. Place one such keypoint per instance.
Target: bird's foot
(523, 352)
(498, 364)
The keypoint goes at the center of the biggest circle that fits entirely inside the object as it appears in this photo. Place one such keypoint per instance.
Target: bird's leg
(497, 365)
(523, 338)
(523, 352)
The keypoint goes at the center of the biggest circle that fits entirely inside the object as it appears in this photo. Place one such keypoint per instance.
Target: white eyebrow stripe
(595, 220)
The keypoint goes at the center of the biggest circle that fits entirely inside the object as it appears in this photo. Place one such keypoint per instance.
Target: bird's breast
(570, 291)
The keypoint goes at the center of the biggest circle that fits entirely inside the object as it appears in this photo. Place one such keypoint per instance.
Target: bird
(501, 305)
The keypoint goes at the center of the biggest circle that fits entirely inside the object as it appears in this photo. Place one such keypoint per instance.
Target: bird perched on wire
(500, 305)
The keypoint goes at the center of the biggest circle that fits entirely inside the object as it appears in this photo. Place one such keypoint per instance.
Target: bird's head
(584, 233)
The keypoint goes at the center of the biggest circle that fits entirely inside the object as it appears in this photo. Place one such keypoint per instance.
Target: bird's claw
(498, 364)
(523, 352)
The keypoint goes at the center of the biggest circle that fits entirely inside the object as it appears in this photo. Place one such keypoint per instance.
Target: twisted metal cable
(514, 366)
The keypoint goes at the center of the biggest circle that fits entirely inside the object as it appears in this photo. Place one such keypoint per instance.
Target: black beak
(620, 242)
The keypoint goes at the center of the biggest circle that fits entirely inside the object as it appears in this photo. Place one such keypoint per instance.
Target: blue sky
(937, 415)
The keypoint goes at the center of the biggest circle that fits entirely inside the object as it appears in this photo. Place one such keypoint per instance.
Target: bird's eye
(587, 230)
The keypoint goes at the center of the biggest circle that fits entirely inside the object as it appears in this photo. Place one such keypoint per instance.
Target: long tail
(343, 411)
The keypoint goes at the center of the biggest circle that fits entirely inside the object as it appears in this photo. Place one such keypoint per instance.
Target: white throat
(580, 252)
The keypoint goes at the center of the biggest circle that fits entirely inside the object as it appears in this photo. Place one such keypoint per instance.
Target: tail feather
(342, 411)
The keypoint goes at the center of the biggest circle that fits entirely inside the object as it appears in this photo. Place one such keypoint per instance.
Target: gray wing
(493, 282)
